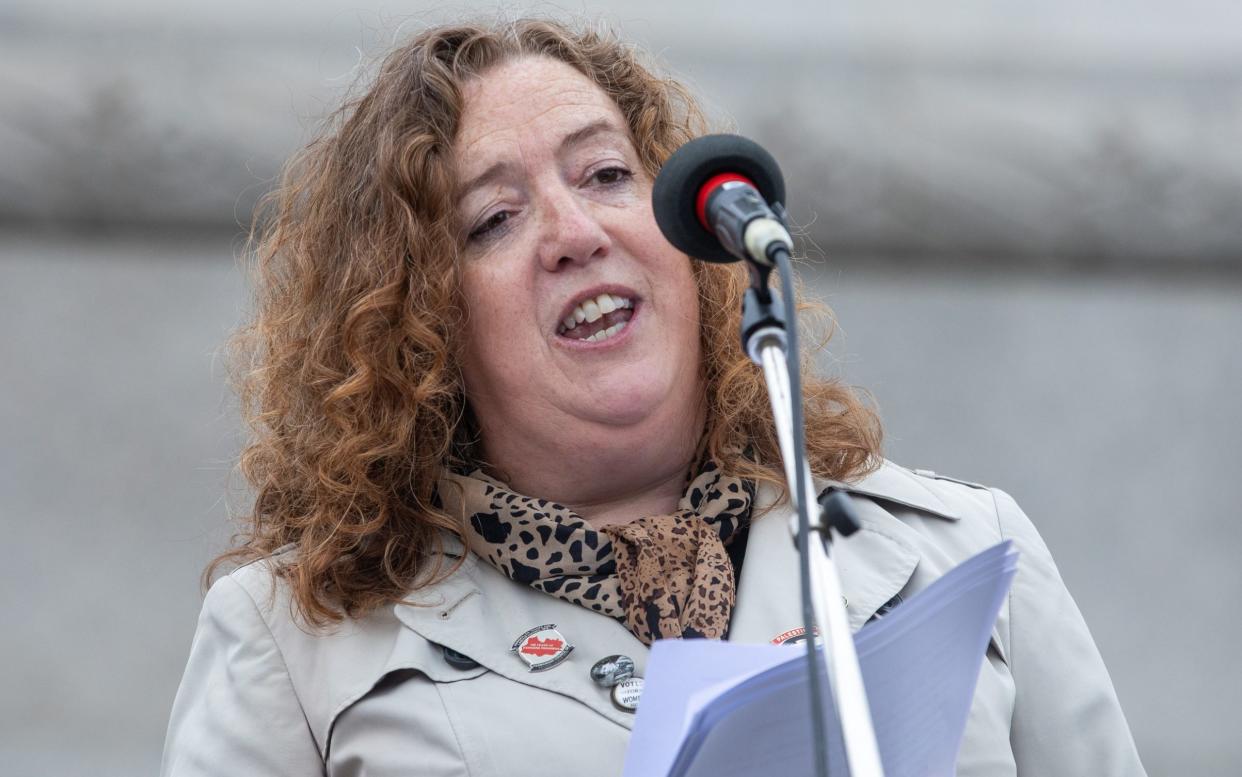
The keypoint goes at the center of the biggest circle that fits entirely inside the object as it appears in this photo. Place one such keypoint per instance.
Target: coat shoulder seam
(284, 664)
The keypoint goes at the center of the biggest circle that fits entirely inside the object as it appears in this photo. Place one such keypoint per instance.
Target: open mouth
(597, 318)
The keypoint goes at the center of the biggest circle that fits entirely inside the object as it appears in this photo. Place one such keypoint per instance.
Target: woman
(504, 434)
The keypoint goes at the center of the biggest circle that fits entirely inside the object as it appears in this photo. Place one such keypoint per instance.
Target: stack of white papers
(716, 709)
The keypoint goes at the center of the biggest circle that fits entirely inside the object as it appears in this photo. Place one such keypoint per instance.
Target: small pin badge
(611, 670)
(625, 694)
(794, 637)
(542, 647)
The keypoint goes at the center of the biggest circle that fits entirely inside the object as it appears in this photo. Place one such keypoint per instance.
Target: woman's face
(583, 319)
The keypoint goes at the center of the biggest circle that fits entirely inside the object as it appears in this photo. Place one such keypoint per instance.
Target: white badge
(625, 694)
(542, 647)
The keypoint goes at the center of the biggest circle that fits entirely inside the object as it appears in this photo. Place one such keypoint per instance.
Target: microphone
(714, 199)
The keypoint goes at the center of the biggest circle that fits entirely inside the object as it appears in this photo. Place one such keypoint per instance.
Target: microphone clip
(763, 314)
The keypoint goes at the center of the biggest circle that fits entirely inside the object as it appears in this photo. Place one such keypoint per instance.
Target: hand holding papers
(725, 710)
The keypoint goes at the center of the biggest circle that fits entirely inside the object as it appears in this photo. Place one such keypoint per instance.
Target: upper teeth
(592, 309)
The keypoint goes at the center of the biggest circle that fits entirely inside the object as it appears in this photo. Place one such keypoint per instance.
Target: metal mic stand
(767, 340)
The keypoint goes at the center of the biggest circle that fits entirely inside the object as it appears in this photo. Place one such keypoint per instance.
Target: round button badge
(625, 694)
(610, 670)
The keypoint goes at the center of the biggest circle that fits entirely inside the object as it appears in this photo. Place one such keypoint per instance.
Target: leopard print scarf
(663, 576)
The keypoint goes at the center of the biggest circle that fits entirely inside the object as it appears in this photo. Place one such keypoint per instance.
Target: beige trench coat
(376, 697)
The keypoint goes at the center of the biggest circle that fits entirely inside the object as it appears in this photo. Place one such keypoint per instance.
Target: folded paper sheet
(715, 709)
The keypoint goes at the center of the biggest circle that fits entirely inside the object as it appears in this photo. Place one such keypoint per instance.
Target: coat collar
(874, 564)
(891, 483)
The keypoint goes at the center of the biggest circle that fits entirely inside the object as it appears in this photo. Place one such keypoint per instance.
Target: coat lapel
(874, 564)
(479, 612)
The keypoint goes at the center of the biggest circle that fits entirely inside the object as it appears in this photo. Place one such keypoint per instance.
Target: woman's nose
(572, 234)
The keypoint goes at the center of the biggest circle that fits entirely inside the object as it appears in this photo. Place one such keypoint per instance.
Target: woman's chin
(628, 403)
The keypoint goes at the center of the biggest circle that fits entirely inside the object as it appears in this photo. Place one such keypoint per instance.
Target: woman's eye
(611, 175)
(492, 222)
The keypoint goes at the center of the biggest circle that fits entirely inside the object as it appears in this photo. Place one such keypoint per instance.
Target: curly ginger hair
(350, 375)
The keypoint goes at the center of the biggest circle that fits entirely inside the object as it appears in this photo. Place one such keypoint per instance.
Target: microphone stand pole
(767, 342)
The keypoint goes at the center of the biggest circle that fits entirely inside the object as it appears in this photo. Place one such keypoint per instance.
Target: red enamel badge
(542, 647)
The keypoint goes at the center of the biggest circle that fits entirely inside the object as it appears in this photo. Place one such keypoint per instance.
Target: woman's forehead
(530, 105)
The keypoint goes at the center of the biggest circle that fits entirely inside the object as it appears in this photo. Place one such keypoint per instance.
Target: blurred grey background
(1027, 217)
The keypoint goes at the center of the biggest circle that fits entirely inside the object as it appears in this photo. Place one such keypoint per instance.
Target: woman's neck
(604, 480)
(655, 499)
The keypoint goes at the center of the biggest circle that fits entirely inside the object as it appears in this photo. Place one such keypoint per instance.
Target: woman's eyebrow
(588, 131)
(496, 170)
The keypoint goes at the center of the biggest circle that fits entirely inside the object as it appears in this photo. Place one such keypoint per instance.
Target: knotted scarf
(663, 576)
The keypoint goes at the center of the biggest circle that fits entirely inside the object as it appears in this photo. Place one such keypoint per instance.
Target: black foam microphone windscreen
(679, 186)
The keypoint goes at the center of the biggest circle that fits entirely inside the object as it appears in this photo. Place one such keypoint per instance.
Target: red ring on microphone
(707, 189)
